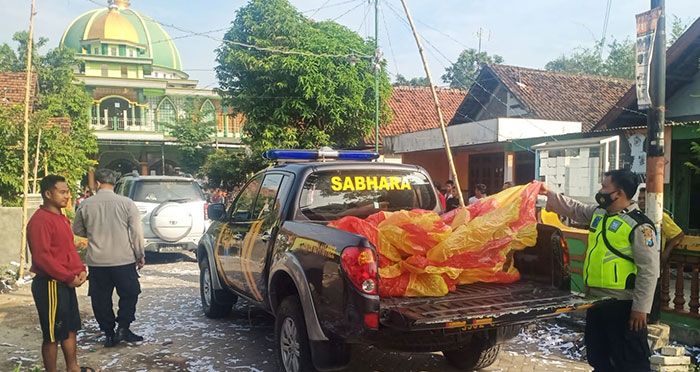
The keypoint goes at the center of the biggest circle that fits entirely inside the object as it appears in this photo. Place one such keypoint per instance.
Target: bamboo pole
(36, 162)
(443, 128)
(25, 144)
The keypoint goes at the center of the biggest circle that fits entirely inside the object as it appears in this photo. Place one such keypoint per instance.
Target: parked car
(173, 210)
(273, 247)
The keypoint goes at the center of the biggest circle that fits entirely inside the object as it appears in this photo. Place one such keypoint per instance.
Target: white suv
(173, 210)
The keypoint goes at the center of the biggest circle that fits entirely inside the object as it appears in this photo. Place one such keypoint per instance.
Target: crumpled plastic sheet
(422, 253)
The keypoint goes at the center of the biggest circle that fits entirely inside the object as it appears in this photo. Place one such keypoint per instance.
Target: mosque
(132, 69)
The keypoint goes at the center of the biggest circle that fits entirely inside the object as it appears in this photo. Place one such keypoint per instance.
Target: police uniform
(622, 264)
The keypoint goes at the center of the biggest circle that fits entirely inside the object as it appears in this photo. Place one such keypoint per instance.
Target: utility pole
(443, 128)
(25, 144)
(655, 122)
(376, 76)
(479, 35)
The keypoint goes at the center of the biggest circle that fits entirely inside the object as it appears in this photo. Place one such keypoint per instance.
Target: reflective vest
(609, 260)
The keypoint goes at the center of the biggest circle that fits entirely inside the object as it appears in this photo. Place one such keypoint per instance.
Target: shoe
(125, 334)
(111, 340)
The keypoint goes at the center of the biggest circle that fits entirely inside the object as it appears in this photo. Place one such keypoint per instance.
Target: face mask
(604, 200)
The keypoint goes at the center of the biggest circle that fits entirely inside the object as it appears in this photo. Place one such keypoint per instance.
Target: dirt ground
(179, 338)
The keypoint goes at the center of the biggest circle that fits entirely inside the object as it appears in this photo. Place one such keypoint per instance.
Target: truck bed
(480, 305)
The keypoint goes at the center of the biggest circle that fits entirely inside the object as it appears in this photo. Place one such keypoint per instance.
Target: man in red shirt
(59, 271)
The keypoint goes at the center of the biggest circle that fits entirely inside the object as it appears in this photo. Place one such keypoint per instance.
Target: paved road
(180, 338)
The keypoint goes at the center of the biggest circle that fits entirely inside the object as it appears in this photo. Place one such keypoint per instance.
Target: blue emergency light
(324, 153)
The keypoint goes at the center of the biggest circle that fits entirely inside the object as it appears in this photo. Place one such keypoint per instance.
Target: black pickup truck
(273, 247)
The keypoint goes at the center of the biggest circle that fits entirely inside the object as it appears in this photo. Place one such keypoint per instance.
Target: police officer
(622, 264)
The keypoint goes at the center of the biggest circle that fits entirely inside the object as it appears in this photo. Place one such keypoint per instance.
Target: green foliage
(413, 82)
(694, 163)
(618, 63)
(228, 169)
(678, 27)
(16, 60)
(193, 128)
(298, 101)
(464, 71)
(65, 152)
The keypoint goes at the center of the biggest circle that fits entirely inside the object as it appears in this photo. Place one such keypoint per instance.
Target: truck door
(266, 215)
(233, 232)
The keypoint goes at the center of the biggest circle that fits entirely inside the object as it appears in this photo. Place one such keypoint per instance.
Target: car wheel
(474, 355)
(214, 303)
(293, 352)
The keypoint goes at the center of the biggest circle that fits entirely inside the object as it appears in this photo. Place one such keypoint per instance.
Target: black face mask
(604, 200)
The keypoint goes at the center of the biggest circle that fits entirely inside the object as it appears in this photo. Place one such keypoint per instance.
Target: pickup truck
(273, 247)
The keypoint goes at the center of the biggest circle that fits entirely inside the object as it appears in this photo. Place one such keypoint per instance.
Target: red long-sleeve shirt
(50, 240)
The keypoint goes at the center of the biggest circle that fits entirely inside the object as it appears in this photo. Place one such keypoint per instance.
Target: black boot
(125, 334)
(111, 339)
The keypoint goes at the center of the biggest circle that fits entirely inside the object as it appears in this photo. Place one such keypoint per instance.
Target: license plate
(170, 248)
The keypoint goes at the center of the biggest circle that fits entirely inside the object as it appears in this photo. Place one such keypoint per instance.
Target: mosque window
(104, 70)
(105, 49)
(165, 113)
(208, 112)
(122, 50)
(113, 51)
(125, 72)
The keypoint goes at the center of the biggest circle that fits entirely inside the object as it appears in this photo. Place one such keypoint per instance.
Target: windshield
(158, 191)
(330, 195)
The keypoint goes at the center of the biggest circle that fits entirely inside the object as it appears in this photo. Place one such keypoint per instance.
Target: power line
(388, 38)
(346, 12)
(325, 6)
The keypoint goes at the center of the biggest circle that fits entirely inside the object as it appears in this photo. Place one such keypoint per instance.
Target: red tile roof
(561, 96)
(413, 110)
(12, 87)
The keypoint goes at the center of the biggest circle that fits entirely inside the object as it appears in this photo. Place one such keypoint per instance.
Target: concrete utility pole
(376, 76)
(25, 144)
(655, 122)
(443, 128)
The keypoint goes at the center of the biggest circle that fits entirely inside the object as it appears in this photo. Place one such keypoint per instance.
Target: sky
(525, 33)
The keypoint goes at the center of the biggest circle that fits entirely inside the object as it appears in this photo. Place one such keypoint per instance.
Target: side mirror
(216, 211)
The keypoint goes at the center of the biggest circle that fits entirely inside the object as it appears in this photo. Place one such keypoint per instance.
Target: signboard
(646, 34)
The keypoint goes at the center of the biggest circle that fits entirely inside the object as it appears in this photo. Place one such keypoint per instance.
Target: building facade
(132, 69)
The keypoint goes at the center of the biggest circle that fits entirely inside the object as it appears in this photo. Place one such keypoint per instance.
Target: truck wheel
(214, 303)
(474, 355)
(293, 352)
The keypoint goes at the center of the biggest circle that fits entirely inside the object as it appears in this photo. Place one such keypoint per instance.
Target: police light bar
(322, 154)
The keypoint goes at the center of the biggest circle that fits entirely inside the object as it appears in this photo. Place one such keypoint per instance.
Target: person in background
(441, 195)
(671, 236)
(86, 194)
(112, 224)
(479, 193)
(453, 201)
(59, 271)
(507, 185)
(621, 263)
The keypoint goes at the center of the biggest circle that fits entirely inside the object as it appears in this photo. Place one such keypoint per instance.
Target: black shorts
(58, 309)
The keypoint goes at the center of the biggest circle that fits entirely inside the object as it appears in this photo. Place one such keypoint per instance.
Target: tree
(618, 63)
(193, 128)
(463, 72)
(413, 82)
(228, 169)
(65, 151)
(678, 27)
(319, 91)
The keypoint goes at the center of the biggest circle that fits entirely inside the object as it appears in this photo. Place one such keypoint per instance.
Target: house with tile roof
(507, 110)
(13, 88)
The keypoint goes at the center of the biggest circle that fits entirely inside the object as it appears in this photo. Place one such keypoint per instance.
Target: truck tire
(293, 351)
(474, 355)
(215, 303)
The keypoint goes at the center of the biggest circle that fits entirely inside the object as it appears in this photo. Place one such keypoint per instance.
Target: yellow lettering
(405, 185)
(395, 183)
(360, 183)
(348, 185)
(336, 183)
(383, 185)
(372, 183)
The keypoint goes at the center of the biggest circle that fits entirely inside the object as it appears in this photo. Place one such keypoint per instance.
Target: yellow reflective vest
(609, 260)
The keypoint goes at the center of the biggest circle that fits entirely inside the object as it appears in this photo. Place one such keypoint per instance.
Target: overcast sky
(526, 33)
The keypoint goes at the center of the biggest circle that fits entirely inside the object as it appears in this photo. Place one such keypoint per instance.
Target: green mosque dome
(119, 24)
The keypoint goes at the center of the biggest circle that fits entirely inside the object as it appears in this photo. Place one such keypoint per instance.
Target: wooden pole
(36, 162)
(443, 128)
(25, 144)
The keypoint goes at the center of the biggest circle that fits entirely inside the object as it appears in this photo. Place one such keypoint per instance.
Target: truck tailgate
(480, 305)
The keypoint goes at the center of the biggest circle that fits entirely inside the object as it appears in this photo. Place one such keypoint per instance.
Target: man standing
(58, 270)
(622, 262)
(112, 225)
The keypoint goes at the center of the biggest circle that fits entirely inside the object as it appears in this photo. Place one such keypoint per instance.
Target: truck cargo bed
(480, 305)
